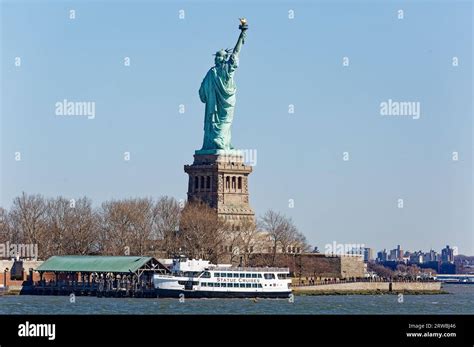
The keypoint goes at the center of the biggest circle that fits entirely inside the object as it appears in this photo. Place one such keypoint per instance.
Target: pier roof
(78, 263)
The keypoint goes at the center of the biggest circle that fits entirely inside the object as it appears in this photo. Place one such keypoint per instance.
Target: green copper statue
(218, 93)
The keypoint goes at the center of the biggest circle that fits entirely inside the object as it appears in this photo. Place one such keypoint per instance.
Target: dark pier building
(114, 276)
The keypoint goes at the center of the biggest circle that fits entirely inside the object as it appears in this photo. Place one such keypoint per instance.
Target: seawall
(371, 288)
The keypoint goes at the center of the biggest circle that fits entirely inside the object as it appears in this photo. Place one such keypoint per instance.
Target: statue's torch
(243, 26)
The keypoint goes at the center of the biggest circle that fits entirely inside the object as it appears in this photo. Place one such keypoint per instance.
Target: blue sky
(284, 61)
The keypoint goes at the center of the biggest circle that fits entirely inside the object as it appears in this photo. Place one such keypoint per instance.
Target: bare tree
(413, 271)
(201, 232)
(28, 220)
(72, 227)
(380, 270)
(274, 224)
(250, 238)
(283, 233)
(142, 225)
(126, 226)
(5, 227)
(58, 220)
(83, 227)
(232, 243)
(166, 214)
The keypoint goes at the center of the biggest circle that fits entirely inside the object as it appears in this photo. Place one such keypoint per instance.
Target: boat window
(254, 275)
(236, 284)
(248, 275)
(203, 284)
(217, 274)
(242, 275)
(269, 276)
(254, 285)
(210, 284)
(259, 275)
(217, 284)
(242, 285)
(223, 274)
(282, 276)
(236, 275)
(229, 275)
(206, 274)
(259, 285)
(248, 285)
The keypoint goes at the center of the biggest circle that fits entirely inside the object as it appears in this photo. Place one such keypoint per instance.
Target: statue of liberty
(217, 91)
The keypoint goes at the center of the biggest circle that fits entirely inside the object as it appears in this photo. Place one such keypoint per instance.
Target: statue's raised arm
(241, 40)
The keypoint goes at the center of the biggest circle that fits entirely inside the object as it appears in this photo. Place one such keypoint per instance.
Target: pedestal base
(220, 179)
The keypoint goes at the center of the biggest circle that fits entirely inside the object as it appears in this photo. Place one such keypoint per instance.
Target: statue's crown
(224, 52)
(221, 53)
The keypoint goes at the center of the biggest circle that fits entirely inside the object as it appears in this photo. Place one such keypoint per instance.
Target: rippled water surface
(460, 300)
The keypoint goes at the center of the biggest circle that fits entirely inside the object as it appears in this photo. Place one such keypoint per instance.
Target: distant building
(382, 256)
(431, 256)
(396, 254)
(417, 257)
(368, 254)
(447, 255)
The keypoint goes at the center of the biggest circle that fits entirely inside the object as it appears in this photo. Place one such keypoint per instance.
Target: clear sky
(284, 61)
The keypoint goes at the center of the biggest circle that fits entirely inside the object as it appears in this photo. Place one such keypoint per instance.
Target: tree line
(142, 226)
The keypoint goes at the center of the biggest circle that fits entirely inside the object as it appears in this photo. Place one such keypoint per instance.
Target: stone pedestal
(221, 181)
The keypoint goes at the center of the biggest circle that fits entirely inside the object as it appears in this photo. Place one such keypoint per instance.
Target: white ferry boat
(456, 279)
(200, 279)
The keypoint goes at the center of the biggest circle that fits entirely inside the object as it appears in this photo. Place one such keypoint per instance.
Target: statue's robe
(217, 91)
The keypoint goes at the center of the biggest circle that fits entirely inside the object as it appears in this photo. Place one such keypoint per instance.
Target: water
(460, 300)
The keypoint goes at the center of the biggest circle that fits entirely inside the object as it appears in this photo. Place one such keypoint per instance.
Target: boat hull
(177, 293)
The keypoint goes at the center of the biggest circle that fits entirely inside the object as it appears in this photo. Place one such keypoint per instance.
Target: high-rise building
(447, 255)
(417, 257)
(382, 256)
(431, 256)
(396, 254)
(368, 254)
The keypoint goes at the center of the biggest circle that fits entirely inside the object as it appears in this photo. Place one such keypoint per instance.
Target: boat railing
(250, 269)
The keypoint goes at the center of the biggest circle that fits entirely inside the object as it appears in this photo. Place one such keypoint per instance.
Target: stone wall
(314, 265)
(7, 264)
(352, 266)
(27, 264)
(371, 287)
